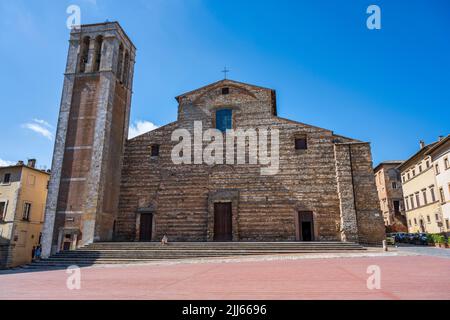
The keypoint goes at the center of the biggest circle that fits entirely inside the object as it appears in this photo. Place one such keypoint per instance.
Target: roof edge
(216, 83)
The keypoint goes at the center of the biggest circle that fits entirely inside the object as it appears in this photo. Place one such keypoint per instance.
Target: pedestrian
(33, 251)
(164, 240)
(37, 253)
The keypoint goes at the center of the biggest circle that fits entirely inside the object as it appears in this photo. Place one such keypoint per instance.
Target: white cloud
(40, 127)
(139, 127)
(5, 163)
(43, 122)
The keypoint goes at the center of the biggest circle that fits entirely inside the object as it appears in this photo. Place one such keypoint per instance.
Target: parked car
(410, 238)
(421, 239)
(390, 239)
(400, 237)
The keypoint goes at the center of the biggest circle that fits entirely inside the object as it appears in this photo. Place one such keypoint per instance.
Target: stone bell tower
(92, 129)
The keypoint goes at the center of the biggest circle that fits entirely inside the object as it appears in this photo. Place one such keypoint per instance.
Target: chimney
(20, 163)
(441, 137)
(31, 163)
(422, 144)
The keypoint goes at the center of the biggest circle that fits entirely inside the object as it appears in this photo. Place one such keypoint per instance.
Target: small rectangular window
(394, 185)
(433, 197)
(436, 216)
(447, 225)
(301, 143)
(441, 192)
(225, 90)
(26, 211)
(155, 150)
(428, 163)
(3, 208)
(7, 178)
(446, 164)
(437, 169)
(224, 119)
(415, 221)
(417, 199)
(396, 206)
(424, 194)
(428, 219)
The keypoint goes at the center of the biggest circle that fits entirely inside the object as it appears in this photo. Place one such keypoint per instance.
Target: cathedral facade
(105, 187)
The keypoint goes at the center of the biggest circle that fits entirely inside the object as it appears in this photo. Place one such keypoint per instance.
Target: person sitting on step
(164, 240)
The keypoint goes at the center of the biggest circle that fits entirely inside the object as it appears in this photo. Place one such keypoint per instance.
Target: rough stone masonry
(105, 187)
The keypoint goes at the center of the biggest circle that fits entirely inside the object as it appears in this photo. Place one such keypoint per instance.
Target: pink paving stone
(404, 277)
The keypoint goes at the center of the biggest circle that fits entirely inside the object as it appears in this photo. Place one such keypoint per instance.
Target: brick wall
(264, 207)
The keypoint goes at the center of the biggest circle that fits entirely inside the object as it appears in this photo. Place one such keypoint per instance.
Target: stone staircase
(141, 252)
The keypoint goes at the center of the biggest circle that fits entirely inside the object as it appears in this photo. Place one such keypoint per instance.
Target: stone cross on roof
(225, 71)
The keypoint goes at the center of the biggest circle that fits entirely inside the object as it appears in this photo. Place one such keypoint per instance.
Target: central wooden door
(222, 222)
(145, 227)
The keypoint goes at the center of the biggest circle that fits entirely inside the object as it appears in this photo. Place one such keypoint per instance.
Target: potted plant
(430, 239)
(439, 241)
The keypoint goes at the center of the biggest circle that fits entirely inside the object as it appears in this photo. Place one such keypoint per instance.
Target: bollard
(385, 248)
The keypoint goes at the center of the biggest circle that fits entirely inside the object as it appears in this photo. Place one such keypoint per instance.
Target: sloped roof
(438, 145)
(220, 82)
(416, 156)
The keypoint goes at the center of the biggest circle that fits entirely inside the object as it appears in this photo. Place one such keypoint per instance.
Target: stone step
(175, 251)
(97, 256)
(167, 247)
(214, 247)
(226, 243)
(141, 252)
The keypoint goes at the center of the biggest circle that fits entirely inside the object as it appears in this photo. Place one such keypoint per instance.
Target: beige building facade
(440, 157)
(421, 193)
(23, 192)
(390, 194)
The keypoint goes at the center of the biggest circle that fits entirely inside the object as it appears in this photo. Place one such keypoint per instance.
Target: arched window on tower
(98, 53)
(120, 63)
(84, 56)
(126, 67)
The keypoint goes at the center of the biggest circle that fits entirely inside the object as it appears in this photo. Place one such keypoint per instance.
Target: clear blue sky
(390, 86)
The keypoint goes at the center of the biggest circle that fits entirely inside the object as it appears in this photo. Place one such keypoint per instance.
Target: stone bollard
(385, 248)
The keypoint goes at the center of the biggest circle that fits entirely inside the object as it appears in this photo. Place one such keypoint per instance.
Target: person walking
(37, 253)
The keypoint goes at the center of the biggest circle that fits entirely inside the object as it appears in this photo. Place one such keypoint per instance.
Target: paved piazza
(404, 275)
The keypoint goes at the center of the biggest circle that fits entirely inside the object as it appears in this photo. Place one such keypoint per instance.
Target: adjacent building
(390, 194)
(23, 192)
(421, 192)
(440, 157)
